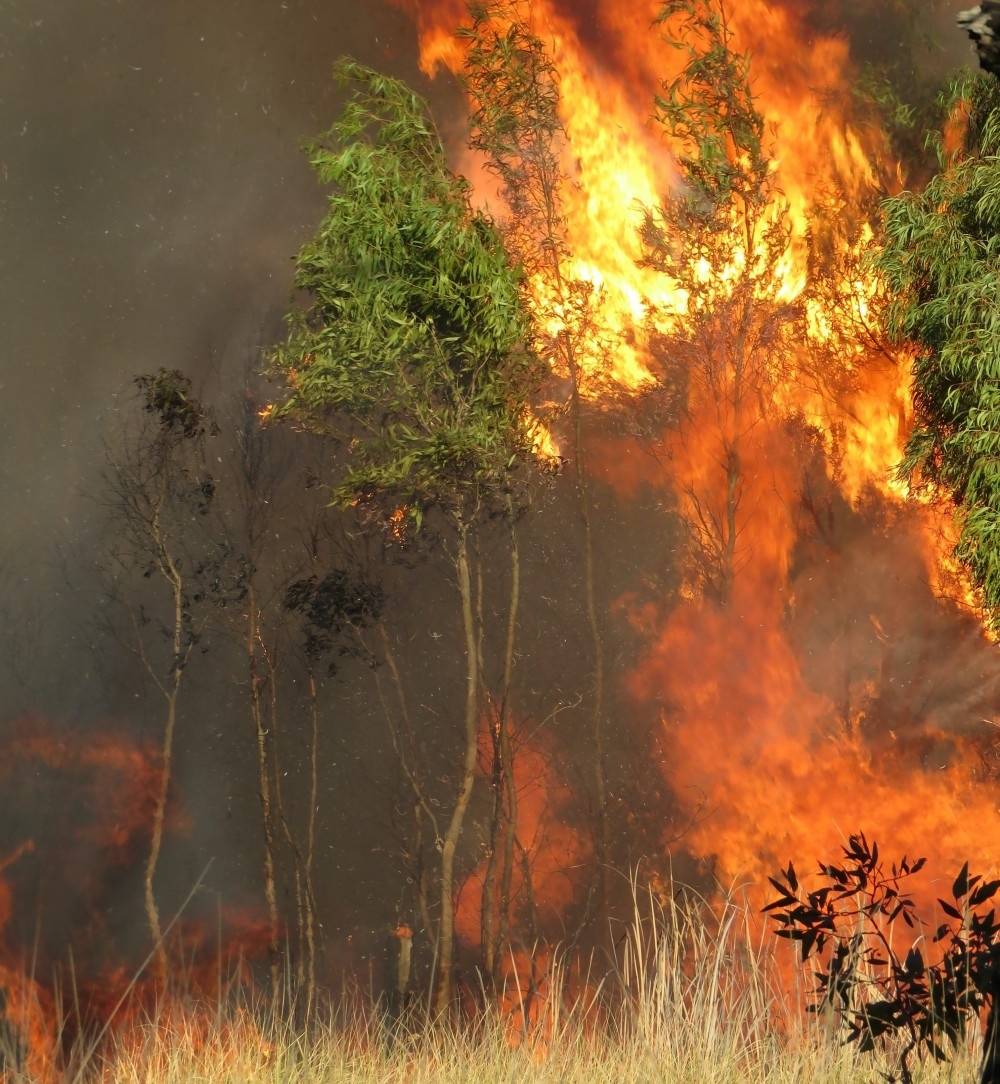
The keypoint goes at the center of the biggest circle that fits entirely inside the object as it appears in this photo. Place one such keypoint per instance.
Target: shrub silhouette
(928, 998)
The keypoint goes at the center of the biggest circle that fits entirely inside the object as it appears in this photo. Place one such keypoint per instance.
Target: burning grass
(683, 997)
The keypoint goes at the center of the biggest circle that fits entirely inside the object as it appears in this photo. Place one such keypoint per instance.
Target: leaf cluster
(514, 121)
(710, 112)
(516, 126)
(843, 928)
(941, 259)
(329, 606)
(167, 396)
(723, 234)
(412, 345)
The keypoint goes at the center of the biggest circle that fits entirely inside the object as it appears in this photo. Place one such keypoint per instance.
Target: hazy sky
(151, 192)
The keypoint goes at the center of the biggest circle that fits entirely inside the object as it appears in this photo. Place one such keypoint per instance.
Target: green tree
(940, 258)
(412, 350)
(723, 238)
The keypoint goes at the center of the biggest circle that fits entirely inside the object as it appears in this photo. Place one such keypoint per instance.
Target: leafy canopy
(941, 261)
(413, 344)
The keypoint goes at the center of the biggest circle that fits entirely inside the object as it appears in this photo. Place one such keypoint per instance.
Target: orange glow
(102, 793)
(763, 763)
(551, 859)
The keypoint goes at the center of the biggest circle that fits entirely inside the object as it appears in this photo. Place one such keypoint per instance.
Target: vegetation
(940, 259)
(885, 988)
(159, 490)
(414, 364)
(414, 350)
(513, 89)
(722, 240)
(685, 1000)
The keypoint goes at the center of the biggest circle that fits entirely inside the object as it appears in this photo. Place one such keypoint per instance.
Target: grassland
(679, 1000)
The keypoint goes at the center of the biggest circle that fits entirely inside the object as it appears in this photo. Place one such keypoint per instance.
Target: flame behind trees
(413, 351)
(516, 126)
(723, 239)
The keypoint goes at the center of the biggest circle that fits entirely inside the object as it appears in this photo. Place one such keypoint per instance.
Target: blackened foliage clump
(167, 395)
(330, 607)
(843, 927)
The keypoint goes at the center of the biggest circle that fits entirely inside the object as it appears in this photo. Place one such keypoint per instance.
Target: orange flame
(763, 761)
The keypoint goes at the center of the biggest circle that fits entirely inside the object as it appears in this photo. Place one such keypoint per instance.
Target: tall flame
(765, 760)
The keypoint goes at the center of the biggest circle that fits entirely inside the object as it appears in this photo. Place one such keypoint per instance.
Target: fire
(551, 857)
(816, 694)
(98, 788)
(763, 759)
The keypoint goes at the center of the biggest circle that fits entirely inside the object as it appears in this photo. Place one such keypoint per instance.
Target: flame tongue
(783, 764)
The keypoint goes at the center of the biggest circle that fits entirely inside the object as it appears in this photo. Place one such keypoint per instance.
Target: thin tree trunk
(488, 931)
(506, 750)
(161, 963)
(264, 782)
(310, 910)
(597, 641)
(407, 754)
(172, 575)
(447, 926)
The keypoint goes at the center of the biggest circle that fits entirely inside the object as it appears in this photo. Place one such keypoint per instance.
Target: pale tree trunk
(407, 753)
(495, 918)
(310, 856)
(445, 953)
(156, 841)
(257, 683)
(171, 692)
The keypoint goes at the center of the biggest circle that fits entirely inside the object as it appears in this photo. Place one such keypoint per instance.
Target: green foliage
(876, 87)
(412, 347)
(709, 111)
(514, 121)
(863, 974)
(941, 259)
(513, 89)
(728, 214)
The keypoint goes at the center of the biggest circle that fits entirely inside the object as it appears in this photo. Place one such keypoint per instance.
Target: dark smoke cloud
(152, 192)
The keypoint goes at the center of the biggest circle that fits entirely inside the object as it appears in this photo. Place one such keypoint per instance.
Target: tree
(940, 255)
(412, 350)
(330, 608)
(723, 238)
(245, 528)
(876, 986)
(515, 124)
(159, 490)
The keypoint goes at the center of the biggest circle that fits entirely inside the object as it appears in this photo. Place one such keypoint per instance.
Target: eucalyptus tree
(412, 347)
(940, 259)
(722, 236)
(515, 124)
(159, 490)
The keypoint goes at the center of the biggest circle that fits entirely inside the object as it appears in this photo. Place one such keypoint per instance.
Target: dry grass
(684, 1001)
